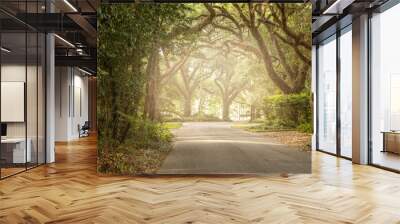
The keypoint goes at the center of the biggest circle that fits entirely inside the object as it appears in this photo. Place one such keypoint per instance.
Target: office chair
(84, 130)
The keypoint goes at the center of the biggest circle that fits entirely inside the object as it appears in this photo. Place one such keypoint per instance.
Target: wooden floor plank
(70, 191)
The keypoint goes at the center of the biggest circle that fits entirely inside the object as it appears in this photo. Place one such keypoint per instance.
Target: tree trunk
(200, 108)
(279, 82)
(226, 105)
(151, 108)
(252, 113)
(153, 101)
(257, 113)
(187, 107)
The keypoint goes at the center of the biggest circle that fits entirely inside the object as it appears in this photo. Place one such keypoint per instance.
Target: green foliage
(148, 134)
(305, 127)
(203, 117)
(288, 112)
(126, 36)
(144, 150)
(123, 46)
(172, 125)
(139, 43)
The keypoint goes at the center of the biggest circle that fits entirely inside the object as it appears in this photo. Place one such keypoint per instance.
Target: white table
(18, 144)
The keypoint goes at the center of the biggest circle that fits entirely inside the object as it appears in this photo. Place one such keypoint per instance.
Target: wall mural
(214, 88)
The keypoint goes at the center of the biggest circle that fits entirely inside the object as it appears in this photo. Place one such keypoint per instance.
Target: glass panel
(327, 96)
(385, 114)
(23, 90)
(41, 99)
(32, 89)
(346, 94)
(31, 97)
(14, 151)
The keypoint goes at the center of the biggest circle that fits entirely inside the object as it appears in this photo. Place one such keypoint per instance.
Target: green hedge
(292, 111)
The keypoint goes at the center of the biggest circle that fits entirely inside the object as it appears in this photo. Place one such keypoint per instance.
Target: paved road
(216, 148)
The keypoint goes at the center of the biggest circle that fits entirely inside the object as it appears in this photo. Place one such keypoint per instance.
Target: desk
(391, 141)
(13, 150)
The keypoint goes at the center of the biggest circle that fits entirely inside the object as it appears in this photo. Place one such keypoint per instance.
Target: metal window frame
(44, 76)
(339, 32)
(381, 9)
(387, 5)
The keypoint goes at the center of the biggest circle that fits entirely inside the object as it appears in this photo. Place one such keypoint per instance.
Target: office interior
(48, 80)
(357, 83)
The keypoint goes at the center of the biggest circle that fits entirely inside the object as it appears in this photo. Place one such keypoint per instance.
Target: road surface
(217, 148)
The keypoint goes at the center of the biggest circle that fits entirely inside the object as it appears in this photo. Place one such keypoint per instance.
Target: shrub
(147, 134)
(145, 147)
(292, 111)
(205, 117)
(305, 127)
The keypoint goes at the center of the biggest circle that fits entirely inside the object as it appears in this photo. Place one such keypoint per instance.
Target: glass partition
(41, 96)
(22, 77)
(14, 145)
(327, 95)
(31, 99)
(385, 89)
(346, 92)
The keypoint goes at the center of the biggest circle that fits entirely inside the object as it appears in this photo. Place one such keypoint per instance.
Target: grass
(284, 136)
(137, 162)
(172, 125)
(256, 127)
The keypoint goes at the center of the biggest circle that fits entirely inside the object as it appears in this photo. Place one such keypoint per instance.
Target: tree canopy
(211, 61)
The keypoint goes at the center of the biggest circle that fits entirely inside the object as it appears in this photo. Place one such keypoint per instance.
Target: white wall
(33, 127)
(62, 83)
(71, 94)
(16, 73)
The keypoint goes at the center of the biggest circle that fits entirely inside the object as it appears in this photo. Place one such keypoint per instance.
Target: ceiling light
(65, 41)
(79, 51)
(70, 5)
(337, 7)
(331, 7)
(5, 50)
(84, 71)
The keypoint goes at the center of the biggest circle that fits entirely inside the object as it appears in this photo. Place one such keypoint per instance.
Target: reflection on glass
(346, 93)
(385, 84)
(327, 96)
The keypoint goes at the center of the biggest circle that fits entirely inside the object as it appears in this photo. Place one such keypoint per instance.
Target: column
(50, 92)
(360, 90)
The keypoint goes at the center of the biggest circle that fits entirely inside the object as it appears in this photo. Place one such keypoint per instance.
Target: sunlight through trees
(197, 62)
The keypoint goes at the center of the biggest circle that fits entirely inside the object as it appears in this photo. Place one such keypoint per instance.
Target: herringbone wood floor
(70, 191)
